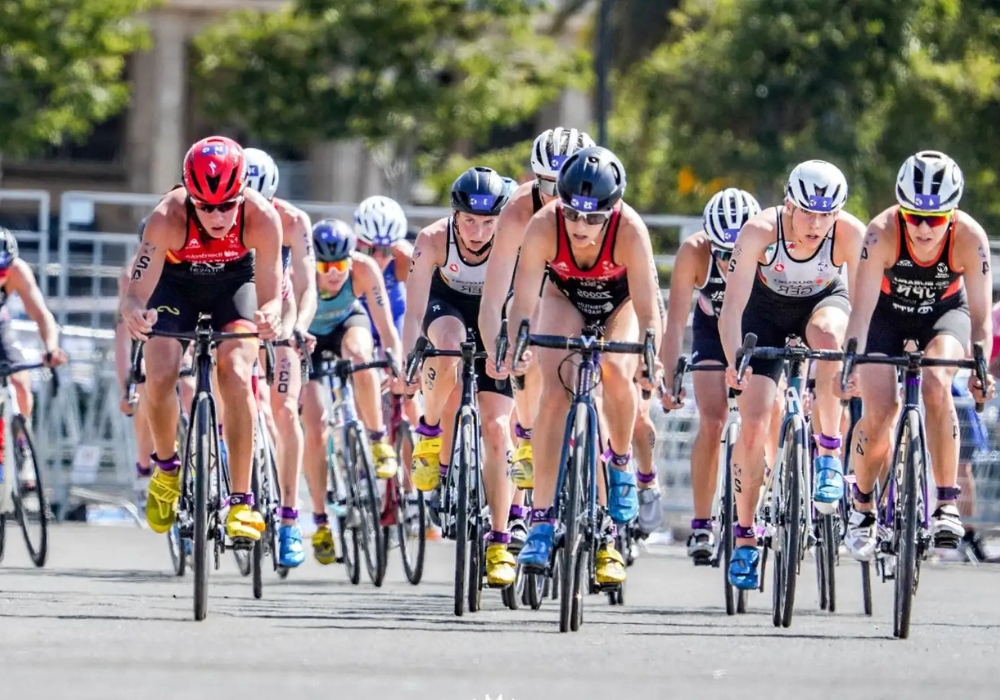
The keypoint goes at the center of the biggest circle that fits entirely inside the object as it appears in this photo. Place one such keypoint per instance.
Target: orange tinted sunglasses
(323, 267)
(932, 219)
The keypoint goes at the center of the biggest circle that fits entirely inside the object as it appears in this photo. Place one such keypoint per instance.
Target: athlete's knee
(496, 430)
(711, 420)
(825, 334)
(936, 390)
(235, 369)
(755, 428)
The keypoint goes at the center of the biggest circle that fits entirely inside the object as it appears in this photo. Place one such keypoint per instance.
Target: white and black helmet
(553, 147)
(817, 186)
(262, 173)
(929, 181)
(379, 221)
(725, 214)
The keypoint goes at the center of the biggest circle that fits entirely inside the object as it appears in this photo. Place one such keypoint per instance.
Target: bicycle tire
(24, 455)
(256, 486)
(413, 566)
(827, 561)
(789, 522)
(727, 514)
(906, 558)
(3, 535)
(368, 507)
(477, 543)
(463, 436)
(339, 481)
(207, 436)
(571, 514)
(581, 573)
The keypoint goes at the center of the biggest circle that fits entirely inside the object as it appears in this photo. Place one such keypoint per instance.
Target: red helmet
(214, 170)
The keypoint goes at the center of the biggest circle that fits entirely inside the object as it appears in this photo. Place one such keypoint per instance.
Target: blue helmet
(333, 240)
(510, 187)
(8, 248)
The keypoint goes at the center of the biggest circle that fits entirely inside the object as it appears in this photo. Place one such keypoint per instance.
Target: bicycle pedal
(543, 570)
(241, 544)
(701, 559)
(946, 540)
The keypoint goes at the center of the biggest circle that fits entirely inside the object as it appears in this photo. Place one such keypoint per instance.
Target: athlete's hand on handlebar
(268, 324)
(851, 389)
(491, 366)
(671, 402)
(55, 357)
(978, 393)
(139, 322)
(645, 382)
(732, 378)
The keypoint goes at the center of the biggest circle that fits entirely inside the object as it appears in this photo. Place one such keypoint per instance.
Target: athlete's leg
(162, 360)
(710, 397)
(494, 412)
(314, 455)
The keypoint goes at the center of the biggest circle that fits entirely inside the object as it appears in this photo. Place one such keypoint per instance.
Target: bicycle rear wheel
(30, 505)
(368, 505)
(905, 526)
(789, 520)
(572, 510)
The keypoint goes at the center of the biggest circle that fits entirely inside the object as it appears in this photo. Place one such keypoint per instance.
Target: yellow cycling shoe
(244, 523)
(501, 569)
(384, 455)
(427, 463)
(323, 547)
(161, 500)
(610, 566)
(522, 468)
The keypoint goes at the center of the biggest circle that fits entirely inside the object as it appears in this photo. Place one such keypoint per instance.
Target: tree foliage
(61, 67)
(422, 73)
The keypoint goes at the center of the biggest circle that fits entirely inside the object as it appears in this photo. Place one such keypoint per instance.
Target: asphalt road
(106, 619)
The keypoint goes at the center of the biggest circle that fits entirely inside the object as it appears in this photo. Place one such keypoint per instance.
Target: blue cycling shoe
(829, 484)
(291, 553)
(623, 496)
(538, 547)
(743, 568)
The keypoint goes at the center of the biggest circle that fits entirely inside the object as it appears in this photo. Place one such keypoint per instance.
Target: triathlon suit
(597, 291)
(334, 315)
(457, 290)
(206, 275)
(705, 341)
(787, 292)
(919, 301)
(10, 350)
(396, 292)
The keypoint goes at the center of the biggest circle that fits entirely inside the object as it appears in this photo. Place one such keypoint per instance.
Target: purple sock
(543, 515)
(948, 493)
(428, 431)
(646, 478)
(376, 435)
(744, 533)
(498, 537)
(286, 513)
(701, 524)
(443, 470)
(167, 466)
(142, 471)
(523, 433)
(518, 512)
(236, 499)
(321, 519)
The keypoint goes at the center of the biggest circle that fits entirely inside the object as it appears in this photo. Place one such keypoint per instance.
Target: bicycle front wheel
(789, 520)
(30, 505)
(368, 506)
(572, 510)
(905, 514)
(205, 457)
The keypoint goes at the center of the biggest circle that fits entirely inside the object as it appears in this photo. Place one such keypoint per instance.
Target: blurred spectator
(994, 361)
(973, 446)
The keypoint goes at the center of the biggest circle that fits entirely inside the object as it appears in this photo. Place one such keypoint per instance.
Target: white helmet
(553, 147)
(725, 214)
(817, 186)
(379, 221)
(262, 173)
(929, 181)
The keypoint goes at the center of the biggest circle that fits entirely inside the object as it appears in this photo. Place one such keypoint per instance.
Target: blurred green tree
(61, 67)
(418, 75)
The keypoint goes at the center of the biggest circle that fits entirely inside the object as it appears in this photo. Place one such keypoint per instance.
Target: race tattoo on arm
(870, 240)
(142, 260)
(732, 260)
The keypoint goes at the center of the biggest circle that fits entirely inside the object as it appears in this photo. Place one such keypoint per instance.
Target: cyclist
(596, 253)
(210, 246)
(924, 276)
(298, 306)
(550, 150)
(701, 266)
(344, 277)
(446, 288)
(784, 279)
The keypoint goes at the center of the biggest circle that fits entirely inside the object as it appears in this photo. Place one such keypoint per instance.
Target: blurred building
(140, 150)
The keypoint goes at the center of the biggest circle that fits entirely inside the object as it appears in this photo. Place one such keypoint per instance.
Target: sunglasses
(323, 267)
(546, 187)
(592, 219)
(932, 219)
(722, 255)
(223, 207)
(383, 250)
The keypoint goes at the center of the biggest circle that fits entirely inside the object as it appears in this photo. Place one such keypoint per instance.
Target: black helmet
(479, 191)
(591, 180)
(8, 248)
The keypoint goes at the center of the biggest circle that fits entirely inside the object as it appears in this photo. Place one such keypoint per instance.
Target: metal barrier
(36, 253)
(85, 444)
